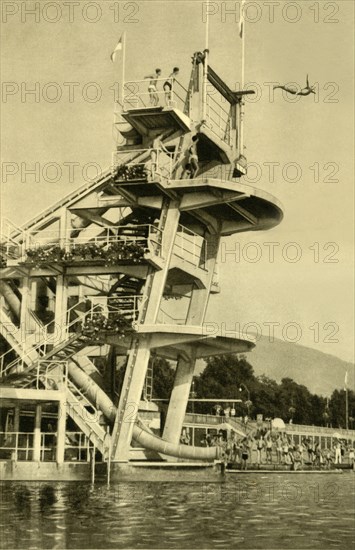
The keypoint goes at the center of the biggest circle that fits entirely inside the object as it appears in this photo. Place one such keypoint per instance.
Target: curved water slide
(140, 432)
(104, 404)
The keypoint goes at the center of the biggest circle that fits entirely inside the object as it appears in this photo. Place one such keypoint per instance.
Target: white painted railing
(190, 247)
(146, 235)
(152, 162)
(52, 375)
(21, 446)
(218, 120)
(136, 94)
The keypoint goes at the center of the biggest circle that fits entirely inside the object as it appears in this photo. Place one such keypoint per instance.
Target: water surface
(270, 511)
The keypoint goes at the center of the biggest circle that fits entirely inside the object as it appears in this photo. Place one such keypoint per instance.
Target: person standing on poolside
(152, 88)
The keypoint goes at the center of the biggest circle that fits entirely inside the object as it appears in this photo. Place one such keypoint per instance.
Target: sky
(299, 151)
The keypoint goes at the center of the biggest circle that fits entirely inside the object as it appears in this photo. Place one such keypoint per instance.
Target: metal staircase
(87, 417)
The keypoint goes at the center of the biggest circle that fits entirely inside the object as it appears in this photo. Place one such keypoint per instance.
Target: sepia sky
(301, 152)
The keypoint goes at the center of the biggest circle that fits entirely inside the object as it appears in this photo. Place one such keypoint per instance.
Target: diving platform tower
(121, 271)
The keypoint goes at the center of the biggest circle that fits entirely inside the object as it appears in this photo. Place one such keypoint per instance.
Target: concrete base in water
(133, 471)
(160, 471)
(44, 471)
(143, 471)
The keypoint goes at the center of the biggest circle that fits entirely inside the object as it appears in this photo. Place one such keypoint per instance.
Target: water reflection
(246, 512)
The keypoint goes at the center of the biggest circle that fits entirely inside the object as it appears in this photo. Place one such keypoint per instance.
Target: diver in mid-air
(304, 91)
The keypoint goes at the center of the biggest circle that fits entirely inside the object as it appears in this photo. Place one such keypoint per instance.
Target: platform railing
(165, 318)
(218, 119)
(112, 306)
(136, 94)
(127, 234)
(151, 162)
(77, 447)
(190, 247)
(20, 446)
(15, 442)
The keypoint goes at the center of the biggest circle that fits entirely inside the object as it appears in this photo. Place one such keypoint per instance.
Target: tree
(337, 407)
(222, 378)
(163, 378)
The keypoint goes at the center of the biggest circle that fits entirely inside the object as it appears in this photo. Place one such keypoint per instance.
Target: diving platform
(157, 118)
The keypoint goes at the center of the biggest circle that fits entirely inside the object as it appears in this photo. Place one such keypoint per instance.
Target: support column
(26, 322)
(16, 429)
(200, 296)
(16, 419)
(60, 309)
(37, 434)
(179, 398)
(155, 283)
(130, 397)
(61, 425)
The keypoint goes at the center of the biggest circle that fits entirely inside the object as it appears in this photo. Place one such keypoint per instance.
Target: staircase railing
(52, 374)
(10, 247)
(50, 339)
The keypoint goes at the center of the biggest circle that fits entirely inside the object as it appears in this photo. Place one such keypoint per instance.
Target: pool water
(266, 511)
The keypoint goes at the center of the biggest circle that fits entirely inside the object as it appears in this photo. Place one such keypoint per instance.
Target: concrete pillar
(155, 282)
(129, 398)
(16, 419)
(200, 296)
(15, 428)
(179, 398)
(60, 310)
(63, 227)
(61, 425)
(26, 322)
(37, 434)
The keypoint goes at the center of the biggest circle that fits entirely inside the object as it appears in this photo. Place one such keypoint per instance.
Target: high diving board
(157, 118)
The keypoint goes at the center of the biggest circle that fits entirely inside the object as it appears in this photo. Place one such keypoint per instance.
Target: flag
(117, 49)
(241, 19)
(346, 381)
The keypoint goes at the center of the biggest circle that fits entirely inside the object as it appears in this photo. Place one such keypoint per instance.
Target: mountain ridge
(320, 372)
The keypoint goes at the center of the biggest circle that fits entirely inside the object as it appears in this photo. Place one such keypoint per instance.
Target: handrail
(108, 236)
(151, 160)
(107, 304)
(162, 314)
(41, 327)
(219, 119)
(40, 348)
(134, 98)
(183, 236)
(61, 378)
(77, 441)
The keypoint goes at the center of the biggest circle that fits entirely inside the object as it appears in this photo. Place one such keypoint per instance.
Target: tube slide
(147, 440)
(10, 298)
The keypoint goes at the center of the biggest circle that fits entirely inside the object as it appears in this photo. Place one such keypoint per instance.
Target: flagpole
(205, 65)
(346, 401)
(207, 24)
(123, 66)
(242, 105)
